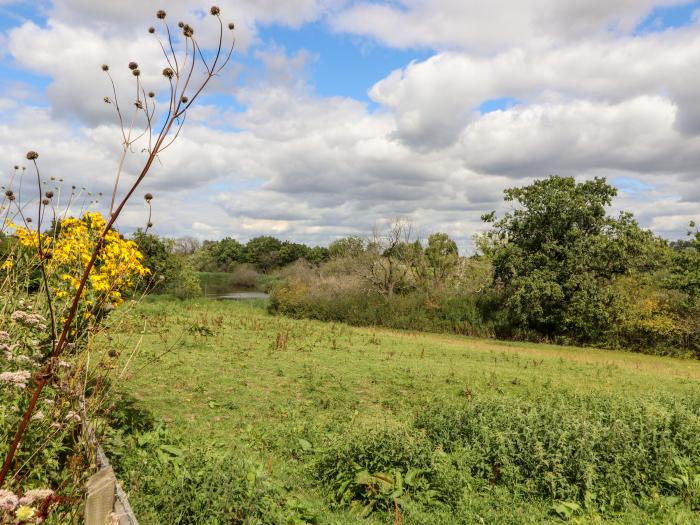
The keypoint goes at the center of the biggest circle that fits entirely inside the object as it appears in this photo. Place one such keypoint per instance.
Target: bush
(598, 452)
(171, 482)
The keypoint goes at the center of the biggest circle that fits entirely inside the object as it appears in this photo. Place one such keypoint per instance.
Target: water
(242, 296)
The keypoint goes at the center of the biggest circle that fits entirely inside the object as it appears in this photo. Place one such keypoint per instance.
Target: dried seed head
(167, 72)
(151, 29)
(149, 225)
(29, 219)
(105, 67)
(112, 353)
(49, 194)
(133, 65)
(138, 104)
(148, 197)
(45, 202)
(160, 14)
(32, 155)
(187, 31)
(151, 94)
(16, 167)
(214, 10)
(9, 193)
(107, 101)
(180, 25)
(136, 72)
(184, 100)
(231, 26)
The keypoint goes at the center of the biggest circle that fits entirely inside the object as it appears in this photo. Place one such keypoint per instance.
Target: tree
(388, 258)
(351, 246)
(158, 257)
(263, 252)
(555, 255)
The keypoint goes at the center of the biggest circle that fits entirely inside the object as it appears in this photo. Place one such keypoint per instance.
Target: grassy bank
(235, 416)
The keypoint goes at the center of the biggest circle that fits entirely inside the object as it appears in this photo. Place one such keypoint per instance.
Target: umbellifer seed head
(214, 10)
(49, 194)
(107, 101)
(180, 25)
(29, 219)
(167, 72)
(16, 167)
(136, 72)
(9, 193)
(149, 225)
(160, 14)
(45, 202)
(151, 94)
(133, 65)
(105, 67)
(32, 155)
(187, 31)
(184, 100)
(231, 26)
(151, 30)
(148, 197)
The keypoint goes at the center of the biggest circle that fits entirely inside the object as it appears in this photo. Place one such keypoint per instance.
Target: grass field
(300, 399)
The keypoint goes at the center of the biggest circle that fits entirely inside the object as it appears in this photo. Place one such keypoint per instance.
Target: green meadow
(231, 415)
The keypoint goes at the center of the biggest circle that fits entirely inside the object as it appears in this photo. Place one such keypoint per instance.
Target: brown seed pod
(133, 65)
(29, 219)
(45, 202)
(149, 225)
(151, 94)
(32, 155)
(136, 72)
(215, 10)
(138, 104)
(16, 167)
(151, 29)
(160, 14)
(167, 72)
(148, 197)
(105, 67)
(112, 353)
(9, 193)
(180, 25)
(49, 194)
(184, 100)
(187, 31)
(231, 26)
(107, 101)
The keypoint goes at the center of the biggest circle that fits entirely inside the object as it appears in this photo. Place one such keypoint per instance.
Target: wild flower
(35, 495)
(24, 513)
(72, 416)
(17, 379)
(4, 336)
(8, 501)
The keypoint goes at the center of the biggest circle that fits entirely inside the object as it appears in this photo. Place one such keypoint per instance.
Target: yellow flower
(7, 265)
(24, 513)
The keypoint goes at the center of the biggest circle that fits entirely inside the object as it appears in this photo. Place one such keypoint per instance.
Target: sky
(337, 116)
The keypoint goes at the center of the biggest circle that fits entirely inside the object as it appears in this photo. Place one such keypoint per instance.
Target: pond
(243, 295)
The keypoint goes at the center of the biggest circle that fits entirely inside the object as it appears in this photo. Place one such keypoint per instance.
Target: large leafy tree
(556, 253)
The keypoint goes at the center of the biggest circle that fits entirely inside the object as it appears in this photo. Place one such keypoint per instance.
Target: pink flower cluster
(30, 320)
(18, 379)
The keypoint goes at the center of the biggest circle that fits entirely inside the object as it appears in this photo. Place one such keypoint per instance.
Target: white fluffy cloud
(485, 26)
(593, 101)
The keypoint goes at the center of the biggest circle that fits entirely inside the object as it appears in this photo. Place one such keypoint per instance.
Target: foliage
(158, 257)
(331, 394)
(554, 257)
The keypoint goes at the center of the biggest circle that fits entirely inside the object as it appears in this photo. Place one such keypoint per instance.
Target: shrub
(171, 482)
(593, 450)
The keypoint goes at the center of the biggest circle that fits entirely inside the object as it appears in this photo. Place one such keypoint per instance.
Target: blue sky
(338, 115)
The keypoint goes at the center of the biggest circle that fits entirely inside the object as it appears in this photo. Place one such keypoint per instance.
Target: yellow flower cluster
(115, 271)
